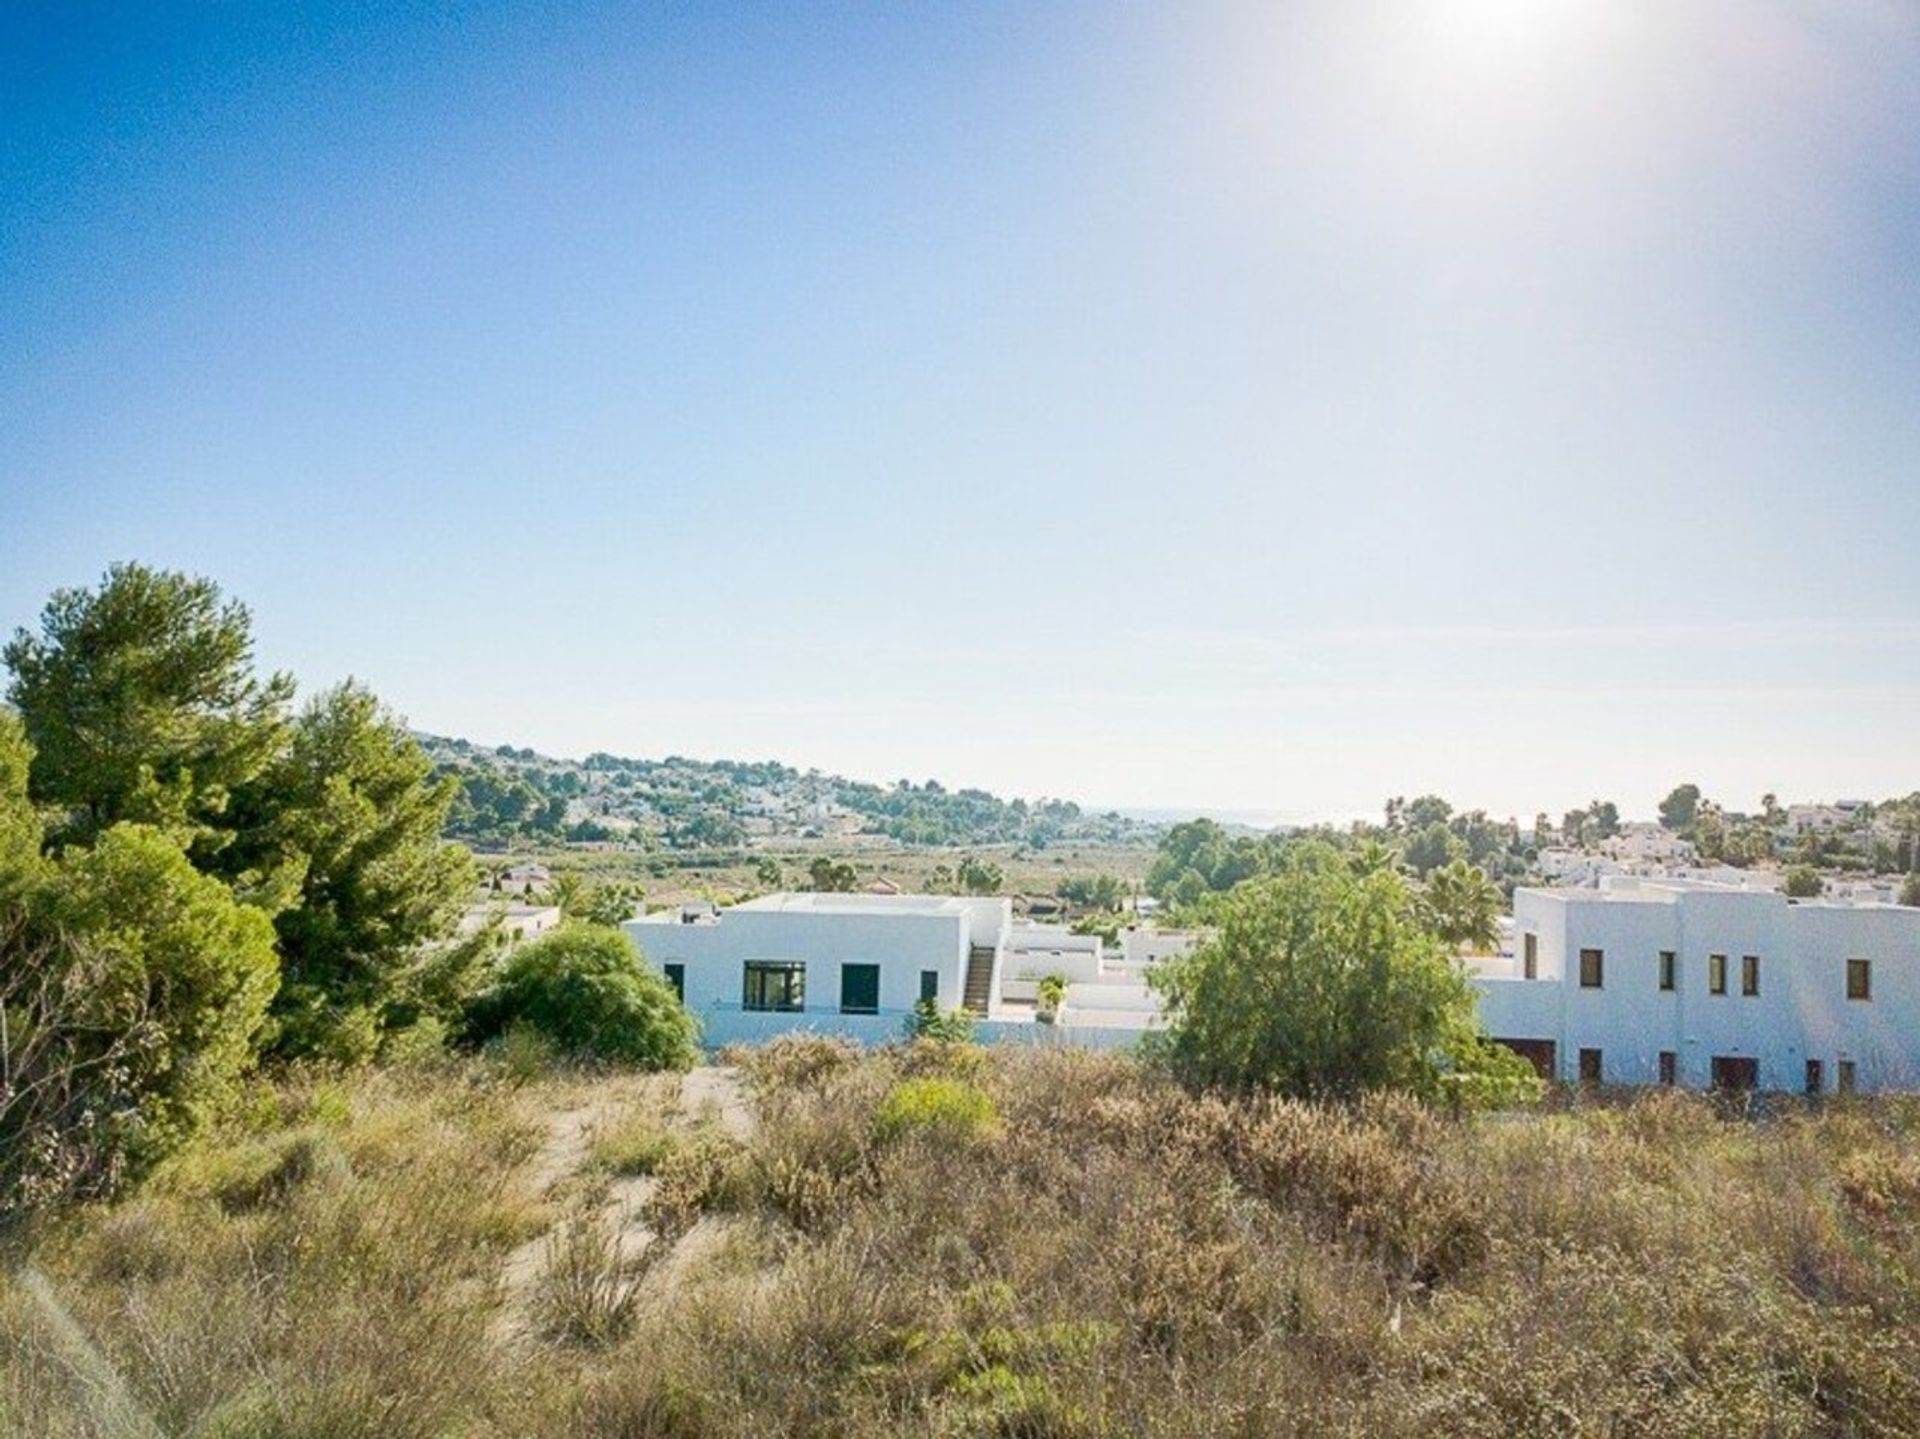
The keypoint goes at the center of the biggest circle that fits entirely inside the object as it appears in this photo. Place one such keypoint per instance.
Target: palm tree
(1463, 906)
(569, 892)
(1372, 857)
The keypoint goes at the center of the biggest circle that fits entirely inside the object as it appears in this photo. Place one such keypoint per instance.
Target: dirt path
(710, 1094)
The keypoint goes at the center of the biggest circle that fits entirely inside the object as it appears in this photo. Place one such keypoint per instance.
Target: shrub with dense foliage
(132, 990)
(586, 990)
(1325, 980)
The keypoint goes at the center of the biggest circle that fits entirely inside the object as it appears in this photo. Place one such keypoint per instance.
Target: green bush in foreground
(586, 991)
(940, 1108)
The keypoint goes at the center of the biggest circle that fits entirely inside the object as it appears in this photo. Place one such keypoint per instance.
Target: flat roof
(841, 902)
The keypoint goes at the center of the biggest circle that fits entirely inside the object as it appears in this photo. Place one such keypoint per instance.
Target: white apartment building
(1645, 981)
(857, 964)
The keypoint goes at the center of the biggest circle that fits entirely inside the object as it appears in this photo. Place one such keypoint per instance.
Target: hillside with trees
(508, 794)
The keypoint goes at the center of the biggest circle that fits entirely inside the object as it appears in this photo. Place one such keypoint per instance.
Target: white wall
(1800, 1013)
(903, 944)
(1150, 946)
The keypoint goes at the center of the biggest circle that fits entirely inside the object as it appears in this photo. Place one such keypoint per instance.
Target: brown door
(1734, 1072)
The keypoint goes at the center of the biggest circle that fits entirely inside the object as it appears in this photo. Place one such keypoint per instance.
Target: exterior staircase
(979, 991)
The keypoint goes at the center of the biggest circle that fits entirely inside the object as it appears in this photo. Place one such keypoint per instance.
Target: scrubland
(945, 1240)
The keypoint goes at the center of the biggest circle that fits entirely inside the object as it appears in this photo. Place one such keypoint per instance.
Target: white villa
(857, 964)
(1639, 981)
(1646, 981)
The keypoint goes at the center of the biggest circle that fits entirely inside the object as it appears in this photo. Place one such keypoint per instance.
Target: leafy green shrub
(422, 1042)
(587, 991)
(929, 1021)
(134, 989)
(1323, 983)
(944, 1109)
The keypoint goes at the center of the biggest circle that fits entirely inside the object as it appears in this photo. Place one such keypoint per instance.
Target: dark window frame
(1848, 1079)
(1530, 956)
(846, 968)
(1716, 974)
(1669, 971)
(676, 975)
(1669, 1068)
(1593, 1066)
(1861, 970)
(930, 985)
(1594, 977)
(1816, 1077)
(757, 998)
(1750, 976)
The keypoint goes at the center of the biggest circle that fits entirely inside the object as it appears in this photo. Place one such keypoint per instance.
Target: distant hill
(509, 794)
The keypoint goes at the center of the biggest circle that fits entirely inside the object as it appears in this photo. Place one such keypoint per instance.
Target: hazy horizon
(1250, 408)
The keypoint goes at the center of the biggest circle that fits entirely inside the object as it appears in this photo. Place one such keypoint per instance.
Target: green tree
(1431, 846)
(1372, 857)
(1910, 890)
(830, 876)
(178, 977)
(569, 892)
(767, 870)
(1325, 983)
(1093, 891)
(1710, 833)
(589, 993)
(141, 703)
(354, 805)
(611, 904)
(19, 825)
(1605, 817)
(1463, 906)
(978, 876)
(1679, 807)
(1802, 882)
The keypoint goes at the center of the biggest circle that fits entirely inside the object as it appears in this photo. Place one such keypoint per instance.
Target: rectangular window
(1530, 964)
(1859, 979)
(1669, 970)
(1716, 974)
(930, 984)
(1669, 1067)
(1592, 968)
(859, 989)
(1589, 1066)
(677, 977)
(1749, 974)
(781, 987)
(1846, 1076)
(1816, 1076)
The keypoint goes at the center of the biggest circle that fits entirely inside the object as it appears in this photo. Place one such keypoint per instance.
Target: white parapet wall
(1710, 984)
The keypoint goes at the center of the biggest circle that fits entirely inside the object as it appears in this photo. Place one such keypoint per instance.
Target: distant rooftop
(843, 902)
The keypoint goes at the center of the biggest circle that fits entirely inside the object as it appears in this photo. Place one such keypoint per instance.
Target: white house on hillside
(857, 964)
(1665, 982)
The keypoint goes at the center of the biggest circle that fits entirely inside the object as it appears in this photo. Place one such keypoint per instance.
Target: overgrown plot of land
(945, 1240)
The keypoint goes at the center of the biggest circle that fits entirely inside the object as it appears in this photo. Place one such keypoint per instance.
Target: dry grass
(1111, 1257)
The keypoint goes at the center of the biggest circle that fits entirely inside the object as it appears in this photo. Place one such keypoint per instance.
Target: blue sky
(1235, 405)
